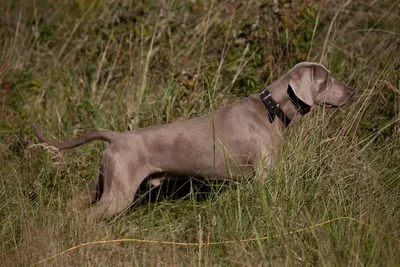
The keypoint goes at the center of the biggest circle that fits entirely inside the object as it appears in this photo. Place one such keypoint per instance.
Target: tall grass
(74, 66)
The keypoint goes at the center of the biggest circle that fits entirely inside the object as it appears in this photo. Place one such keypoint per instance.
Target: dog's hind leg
(96, 187)
(93, 191)
(118, 198)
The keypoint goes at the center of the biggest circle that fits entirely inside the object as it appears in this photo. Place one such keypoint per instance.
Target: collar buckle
(273, 107)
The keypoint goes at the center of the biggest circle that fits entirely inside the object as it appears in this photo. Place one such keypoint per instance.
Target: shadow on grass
(180, 187)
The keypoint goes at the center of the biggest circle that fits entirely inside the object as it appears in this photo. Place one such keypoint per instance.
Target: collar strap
(303, 107)
(273, 107)
(275, 110)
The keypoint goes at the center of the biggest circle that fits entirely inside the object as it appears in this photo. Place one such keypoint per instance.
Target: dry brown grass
(73, 66)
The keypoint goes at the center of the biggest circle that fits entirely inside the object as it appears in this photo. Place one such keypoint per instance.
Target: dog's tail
(107, 136)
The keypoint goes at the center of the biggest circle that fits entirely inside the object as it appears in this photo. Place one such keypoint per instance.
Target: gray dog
(237, 138)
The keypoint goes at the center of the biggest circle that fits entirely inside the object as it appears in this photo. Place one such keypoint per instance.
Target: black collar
(303, 107)
(274, 108)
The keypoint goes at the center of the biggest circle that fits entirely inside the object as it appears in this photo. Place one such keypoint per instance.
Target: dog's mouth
(327, 105)
(338, 102)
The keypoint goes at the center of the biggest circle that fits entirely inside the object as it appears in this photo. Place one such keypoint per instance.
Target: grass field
(75, 66)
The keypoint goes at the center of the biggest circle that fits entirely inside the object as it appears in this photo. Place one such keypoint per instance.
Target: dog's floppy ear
(303, 85)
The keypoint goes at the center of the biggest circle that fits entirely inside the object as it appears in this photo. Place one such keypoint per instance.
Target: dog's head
(313, 84)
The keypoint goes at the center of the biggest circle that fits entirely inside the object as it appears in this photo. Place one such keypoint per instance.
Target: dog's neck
(283, 103)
